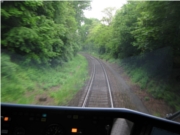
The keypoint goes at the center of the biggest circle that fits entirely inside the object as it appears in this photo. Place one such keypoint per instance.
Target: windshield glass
(117, 54)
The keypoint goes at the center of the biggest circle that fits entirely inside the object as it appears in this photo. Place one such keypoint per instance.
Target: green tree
(41, 32)
(122, 38)
(99, 33)
(158, 26)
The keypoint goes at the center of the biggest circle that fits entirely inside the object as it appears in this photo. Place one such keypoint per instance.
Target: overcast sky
(99, 5)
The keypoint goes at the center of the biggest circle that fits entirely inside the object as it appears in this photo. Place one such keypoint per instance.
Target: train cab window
(90, 67)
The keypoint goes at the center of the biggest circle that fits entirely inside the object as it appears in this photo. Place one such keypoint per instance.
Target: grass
(157, 114)
(22, 84)
(151, 72)
(157, 88)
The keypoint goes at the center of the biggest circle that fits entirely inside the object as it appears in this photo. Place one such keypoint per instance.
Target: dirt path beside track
(124, 97)
(143, 101)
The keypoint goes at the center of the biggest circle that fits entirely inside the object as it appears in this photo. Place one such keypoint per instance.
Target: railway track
(98, 90)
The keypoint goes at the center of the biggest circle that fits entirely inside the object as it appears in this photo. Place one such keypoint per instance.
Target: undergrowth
(18, 80)
(152, 72)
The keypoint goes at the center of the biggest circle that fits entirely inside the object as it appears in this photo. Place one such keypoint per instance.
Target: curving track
(98, 93)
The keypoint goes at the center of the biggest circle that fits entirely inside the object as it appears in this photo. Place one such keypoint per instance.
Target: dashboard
(55, 120)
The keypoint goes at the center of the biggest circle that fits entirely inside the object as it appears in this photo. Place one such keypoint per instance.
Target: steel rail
(89, 87)
(91, 82)
(109, 88)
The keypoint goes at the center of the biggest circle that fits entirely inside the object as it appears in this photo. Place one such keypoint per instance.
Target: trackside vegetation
(42, 32)
(40, 41)
(25, 85)
(153, 72)
(143, 37)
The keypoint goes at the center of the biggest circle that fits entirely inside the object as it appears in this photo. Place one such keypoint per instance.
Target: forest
(38, 42)
(143, 37)
(43, 32)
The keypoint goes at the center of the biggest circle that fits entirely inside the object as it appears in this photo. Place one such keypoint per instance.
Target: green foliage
(14, 80)
(21, 84)
(42, 32)
(99, 36)
(49, 33)
(137, 28)
(124, 23)
(157, 26)
(8, 69)
(38, 38)
(152, 72)
(144, 36)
